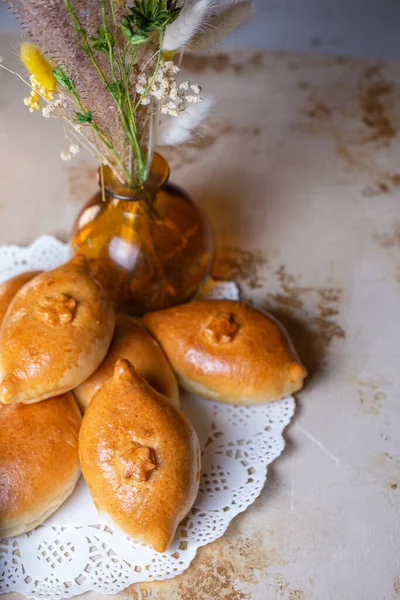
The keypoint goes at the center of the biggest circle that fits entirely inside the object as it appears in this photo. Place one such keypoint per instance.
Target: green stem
(80, 29)
(127, 112)
(129, 124)
(108, 144)
(133, 58)
(119, 62)
(100, 133)
(142, 166)
(128, 119)
(110, 50)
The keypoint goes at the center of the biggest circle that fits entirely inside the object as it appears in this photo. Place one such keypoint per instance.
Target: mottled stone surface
(299, 170)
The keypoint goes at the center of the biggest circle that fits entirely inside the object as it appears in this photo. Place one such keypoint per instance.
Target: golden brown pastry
(39, 461)
(227, 351)
(9, 288)
(56, 332)
(133, 342)
(140, 457)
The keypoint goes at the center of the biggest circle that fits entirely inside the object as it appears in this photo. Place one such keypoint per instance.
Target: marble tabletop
(298, 168)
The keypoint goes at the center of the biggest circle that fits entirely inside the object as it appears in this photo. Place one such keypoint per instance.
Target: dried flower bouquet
(108, 69)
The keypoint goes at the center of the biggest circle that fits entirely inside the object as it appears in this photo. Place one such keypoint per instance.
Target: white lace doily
(76, 550)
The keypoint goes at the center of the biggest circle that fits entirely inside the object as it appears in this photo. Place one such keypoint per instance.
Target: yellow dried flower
(43, 91)
(38, 66)
(33, 101)
(37, 92)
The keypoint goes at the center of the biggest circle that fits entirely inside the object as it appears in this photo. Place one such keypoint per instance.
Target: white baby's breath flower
(171, 67)
(196, 88)
(193, 99)
(139, 88)
(74, 149)
(174, 105)
(59, 102)
(167, 92)
(65, 155)
(164, 85)
(157, 93)
(168, 111)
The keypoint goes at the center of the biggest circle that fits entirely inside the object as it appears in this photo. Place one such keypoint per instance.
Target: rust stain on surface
(374, 70)
(396, 585)
(389, 240)
(375, 113)
(370, 395)
(394, 178)
(385, 468)
(198, 63)
(318, 109)
(213, 573)
(310, 315)
(377, 127)
(219, 62)
(341, 60)
(385, 185)
(207, 134)
(379, 188)
(346, 155)
(256, 59)
(243, 266)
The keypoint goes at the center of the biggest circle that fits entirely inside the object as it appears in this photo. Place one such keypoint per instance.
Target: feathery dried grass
(49, 25)
(219, 24)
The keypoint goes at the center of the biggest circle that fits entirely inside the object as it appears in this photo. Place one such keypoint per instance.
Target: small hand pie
(9, 288)
(227, 351)
(140, 457)
(56, 332)
(132, 341)
(39, 461)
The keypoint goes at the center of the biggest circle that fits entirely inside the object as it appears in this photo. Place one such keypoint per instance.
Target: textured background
(300, 175)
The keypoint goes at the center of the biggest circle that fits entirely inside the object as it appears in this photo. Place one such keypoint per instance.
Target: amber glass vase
(150, 246)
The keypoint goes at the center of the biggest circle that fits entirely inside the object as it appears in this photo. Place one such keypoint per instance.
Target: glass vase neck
(158, 176)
